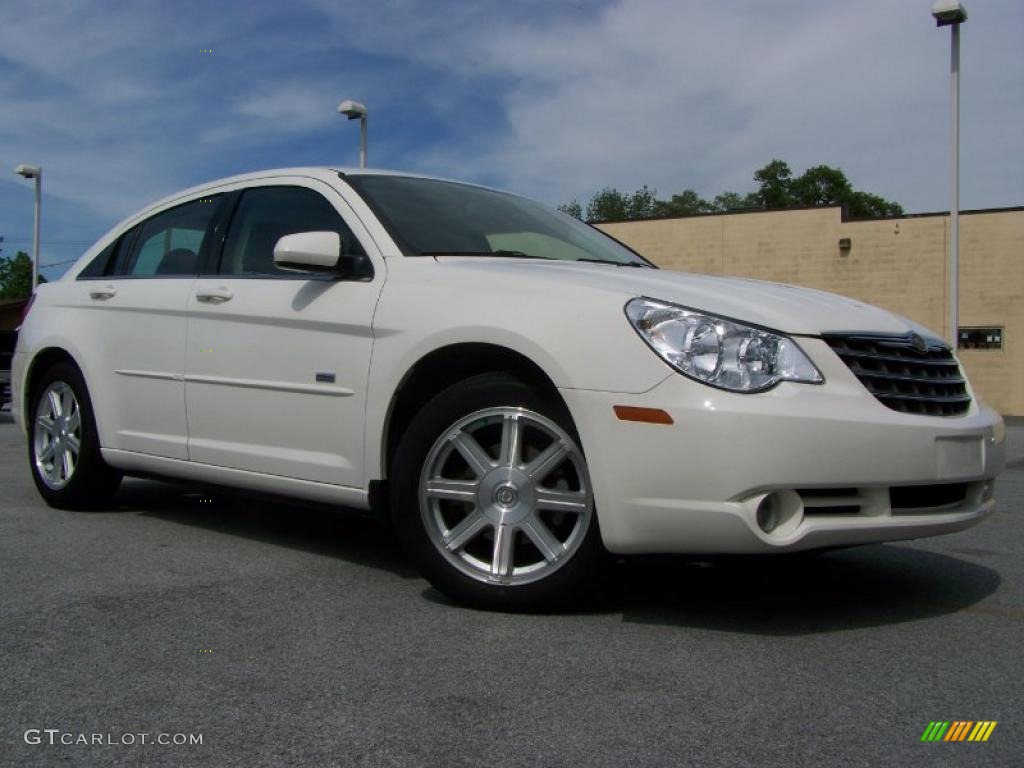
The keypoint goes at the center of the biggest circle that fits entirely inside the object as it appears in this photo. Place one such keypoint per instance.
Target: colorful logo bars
(958, 730)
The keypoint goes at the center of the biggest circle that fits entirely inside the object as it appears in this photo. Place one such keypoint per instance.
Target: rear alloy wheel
(58, 435)
(493, 497)
(63, 444)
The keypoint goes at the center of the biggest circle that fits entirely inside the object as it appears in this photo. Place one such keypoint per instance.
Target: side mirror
(308, 252)
(320, 252)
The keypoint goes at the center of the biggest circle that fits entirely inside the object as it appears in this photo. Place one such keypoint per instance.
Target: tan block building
(897, 263)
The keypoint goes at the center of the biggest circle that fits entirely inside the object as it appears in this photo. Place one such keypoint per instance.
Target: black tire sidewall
(93, 482)
(474, 394)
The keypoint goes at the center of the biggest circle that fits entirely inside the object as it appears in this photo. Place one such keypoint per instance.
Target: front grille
(831, 501)
(919, 378)
(875, 501)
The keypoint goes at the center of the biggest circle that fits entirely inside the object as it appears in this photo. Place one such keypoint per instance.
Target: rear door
(277, 362)
(133, 298)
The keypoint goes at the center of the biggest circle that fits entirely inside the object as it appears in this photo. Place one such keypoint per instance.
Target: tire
(492, 526)
(59, 418)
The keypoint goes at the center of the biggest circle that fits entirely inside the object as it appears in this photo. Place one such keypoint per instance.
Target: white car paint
(214, 379)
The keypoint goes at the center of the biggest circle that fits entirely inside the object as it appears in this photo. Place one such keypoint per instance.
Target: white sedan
(516, 391)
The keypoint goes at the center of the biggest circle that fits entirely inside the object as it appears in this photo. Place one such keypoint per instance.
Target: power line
(54, 242)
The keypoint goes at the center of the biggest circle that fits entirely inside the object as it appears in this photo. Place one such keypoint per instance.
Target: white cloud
(679, 94)
(551, 99)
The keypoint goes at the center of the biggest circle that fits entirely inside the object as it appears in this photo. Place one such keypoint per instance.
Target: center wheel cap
(506, 495)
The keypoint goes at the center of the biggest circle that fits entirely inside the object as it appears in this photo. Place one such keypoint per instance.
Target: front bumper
(828, 456)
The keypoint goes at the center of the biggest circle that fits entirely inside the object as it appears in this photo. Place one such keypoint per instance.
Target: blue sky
(555, 100)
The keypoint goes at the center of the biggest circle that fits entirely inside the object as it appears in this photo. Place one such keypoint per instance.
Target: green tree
(734, 201)
(864, 205)
(15, 276)
(686, 203)
(777, 188)
(818, 185)
(642, 204)
(573, 209)
(608, 205)
(612, 205)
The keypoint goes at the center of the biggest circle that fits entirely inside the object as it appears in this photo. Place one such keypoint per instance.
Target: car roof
(322, 172)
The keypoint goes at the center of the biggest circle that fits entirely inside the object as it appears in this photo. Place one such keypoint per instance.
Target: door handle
(217, 295)
(104, 293)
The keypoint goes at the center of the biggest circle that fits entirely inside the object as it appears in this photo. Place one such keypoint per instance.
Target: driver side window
(265, 215)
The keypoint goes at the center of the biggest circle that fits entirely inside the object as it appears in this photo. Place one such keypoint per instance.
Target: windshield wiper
(641, 264)
(511, 254)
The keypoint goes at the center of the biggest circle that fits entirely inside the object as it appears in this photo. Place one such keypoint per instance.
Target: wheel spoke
(72, 443)
(465, 531)
(502, 562)
(455, 490)
(75, 419)
(538, 532)
(562, 501)
(473, 453)
(546, 461)
(67, 401)
(45, 423)
(47, 453)
(511, 441)
(67, 464)
(55, 403)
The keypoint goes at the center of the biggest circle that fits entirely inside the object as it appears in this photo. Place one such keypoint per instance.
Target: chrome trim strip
(277, 386)
(150, 375)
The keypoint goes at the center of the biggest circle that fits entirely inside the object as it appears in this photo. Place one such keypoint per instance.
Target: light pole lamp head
(29, 171)
(948, 12)
(352, 109)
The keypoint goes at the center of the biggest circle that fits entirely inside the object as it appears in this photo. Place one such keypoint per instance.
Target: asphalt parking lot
(290, 636)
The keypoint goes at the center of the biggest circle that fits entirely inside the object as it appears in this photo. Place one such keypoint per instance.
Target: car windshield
(428, 217)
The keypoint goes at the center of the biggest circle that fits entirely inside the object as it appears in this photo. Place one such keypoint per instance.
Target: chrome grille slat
(902, 376)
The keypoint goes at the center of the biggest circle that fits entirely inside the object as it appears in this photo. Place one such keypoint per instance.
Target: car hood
(786, 308)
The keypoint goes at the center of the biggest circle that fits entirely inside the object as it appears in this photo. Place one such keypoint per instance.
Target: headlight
(719, 352)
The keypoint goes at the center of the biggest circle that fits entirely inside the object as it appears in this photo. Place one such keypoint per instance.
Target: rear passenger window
(265, 215)
(171, 242)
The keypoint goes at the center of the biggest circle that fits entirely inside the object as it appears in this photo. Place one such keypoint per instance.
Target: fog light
(768, 513)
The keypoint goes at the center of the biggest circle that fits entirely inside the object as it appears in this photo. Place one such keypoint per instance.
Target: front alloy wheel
(491, 497)
(504, 496)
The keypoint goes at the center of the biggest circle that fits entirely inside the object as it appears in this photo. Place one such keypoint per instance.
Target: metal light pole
(352, 110)
(949, 13)
(34, 172)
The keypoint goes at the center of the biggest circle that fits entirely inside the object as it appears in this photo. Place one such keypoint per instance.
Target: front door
(276, 363)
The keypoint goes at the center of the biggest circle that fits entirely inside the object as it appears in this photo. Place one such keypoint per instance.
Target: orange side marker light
(645, 415)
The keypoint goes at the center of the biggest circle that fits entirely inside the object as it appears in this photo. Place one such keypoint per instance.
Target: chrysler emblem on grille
(918, 342)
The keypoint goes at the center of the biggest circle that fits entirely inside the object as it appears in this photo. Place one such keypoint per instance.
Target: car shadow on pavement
(334, 532)
(798, 595)
(768, 595)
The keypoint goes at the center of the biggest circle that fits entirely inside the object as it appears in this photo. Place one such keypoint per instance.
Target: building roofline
(844, 216)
